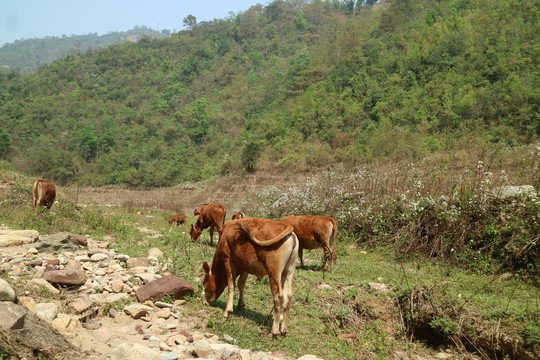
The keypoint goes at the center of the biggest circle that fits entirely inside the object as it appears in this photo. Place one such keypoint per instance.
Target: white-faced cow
(43, 194)
(210, 216)
(179, 219)
(238, 215)
(315, 231)
(259, 247)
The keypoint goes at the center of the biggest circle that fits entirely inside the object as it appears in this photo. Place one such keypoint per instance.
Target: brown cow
(259, 247)
(178, 219)
(238, 215)
(212, 216)
(315, 231)
(43, 193)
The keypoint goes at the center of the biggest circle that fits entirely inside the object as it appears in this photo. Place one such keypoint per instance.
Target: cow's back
(311, 229)
(213, 214)
(247, 256)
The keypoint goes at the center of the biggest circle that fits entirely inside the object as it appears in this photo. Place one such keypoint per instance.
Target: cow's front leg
(230, 286)
(211, 236)
(241, 285)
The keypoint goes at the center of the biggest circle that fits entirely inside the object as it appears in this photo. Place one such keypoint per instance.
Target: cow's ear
(206, 268)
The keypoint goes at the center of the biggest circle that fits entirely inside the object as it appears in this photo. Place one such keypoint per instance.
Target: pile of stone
(107, 304)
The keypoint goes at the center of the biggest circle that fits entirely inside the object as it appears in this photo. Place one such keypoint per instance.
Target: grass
(386, 213)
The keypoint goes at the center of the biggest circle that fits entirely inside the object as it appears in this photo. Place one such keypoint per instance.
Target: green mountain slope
(292, 85)
(27, 55)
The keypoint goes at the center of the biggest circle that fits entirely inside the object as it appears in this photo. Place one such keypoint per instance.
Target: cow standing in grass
(179, 219)
(259, 247)
(210, 216)
(315, 231)
(43, 194)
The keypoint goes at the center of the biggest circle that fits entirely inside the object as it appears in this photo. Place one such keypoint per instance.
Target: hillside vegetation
(290, 86)
(28, 54)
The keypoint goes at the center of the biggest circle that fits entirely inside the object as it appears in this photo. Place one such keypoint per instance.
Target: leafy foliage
(306, 83)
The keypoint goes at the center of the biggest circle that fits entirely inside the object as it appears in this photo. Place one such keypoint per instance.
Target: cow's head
(213, 286)
(195, 232)
(171, 220)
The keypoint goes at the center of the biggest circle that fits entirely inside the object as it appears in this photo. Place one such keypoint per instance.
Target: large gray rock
(66, 277)
(57, 243)
(11, 315)
(509, 191)
(7, 293)
(169, 284)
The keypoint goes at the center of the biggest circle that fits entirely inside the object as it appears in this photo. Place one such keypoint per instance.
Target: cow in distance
(179, 219)
(210, 216)
(43, 194)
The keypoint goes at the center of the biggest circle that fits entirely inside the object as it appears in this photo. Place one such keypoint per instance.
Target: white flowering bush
(434, 212)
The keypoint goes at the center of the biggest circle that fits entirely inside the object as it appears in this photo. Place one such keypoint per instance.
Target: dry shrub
(36, 340)
(427, 319)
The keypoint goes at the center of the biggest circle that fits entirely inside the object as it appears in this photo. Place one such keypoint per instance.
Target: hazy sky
(28, 19)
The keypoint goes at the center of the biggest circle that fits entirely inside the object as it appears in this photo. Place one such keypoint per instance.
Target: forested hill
(291, 85)
(26, 55)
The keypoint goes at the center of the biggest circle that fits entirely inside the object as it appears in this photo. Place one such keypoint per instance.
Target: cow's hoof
(241, 307)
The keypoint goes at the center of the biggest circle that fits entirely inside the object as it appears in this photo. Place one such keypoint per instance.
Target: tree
(250, 154)
(5, 142)
(190, 22)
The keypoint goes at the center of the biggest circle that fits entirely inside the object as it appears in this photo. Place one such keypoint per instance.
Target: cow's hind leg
(275, 286)
(241, 285)
(286, 283)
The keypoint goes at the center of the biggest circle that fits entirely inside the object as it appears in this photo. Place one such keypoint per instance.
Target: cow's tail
(334, 235)
(243, 226)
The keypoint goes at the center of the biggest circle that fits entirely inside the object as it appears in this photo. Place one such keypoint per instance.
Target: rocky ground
(103, 303)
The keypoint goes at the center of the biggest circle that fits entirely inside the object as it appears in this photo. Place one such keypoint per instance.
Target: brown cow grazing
(211, 216)
(259, 247)
(238, 215)
(178, 219)
(43, 193)
(315, 231)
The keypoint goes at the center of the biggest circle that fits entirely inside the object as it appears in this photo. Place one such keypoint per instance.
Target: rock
(29, 303)
(66, 323)
(8, 240)
(53, 262)
(348, 337)
(104, 299)
(7, 293)
(81, 239)
(56, 243)
(136, 310)
(509, 191)
(98, 257)
(163, 313)
(113, 312)
(33, 251)
(117, 286)
(80, 304)
(155, 252)
(47, 311)
(136, 262)
(69, 277)
(381, 288)
(168, 356)
(133, 352)
(308, 357)
(12, 316)
(43, 287)
(73, 264)
(166, 285)
(229, 339)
